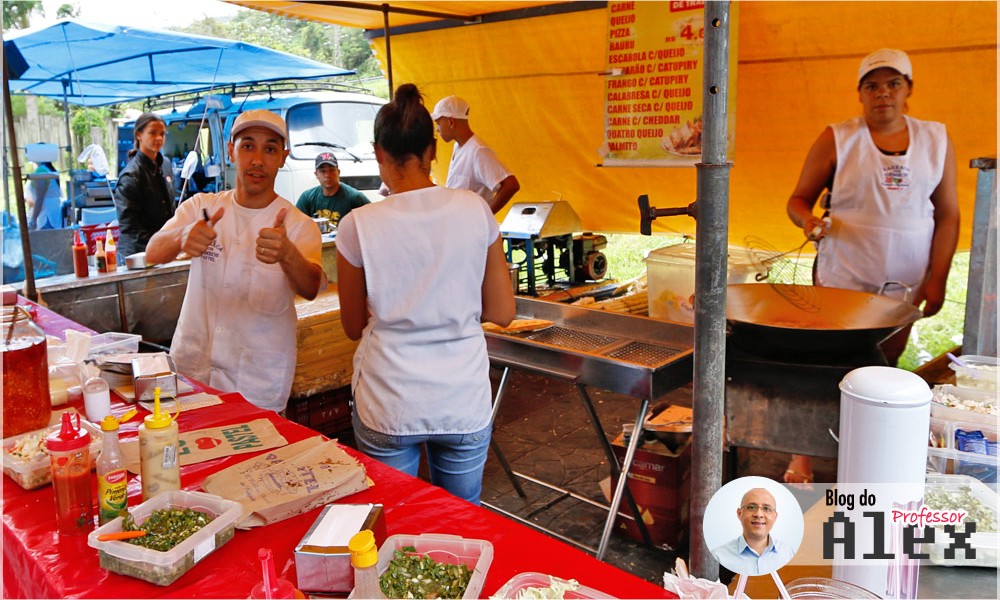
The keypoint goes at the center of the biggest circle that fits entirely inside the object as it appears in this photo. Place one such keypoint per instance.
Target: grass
(930, 337)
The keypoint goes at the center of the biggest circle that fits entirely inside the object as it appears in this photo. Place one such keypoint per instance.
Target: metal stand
(616, 471)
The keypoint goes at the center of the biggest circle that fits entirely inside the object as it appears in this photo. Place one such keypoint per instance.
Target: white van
(341, 122)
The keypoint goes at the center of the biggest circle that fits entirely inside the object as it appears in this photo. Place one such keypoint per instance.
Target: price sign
(652, 94)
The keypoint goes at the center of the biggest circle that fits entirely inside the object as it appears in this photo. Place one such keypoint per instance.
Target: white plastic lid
(684, 254)
(886, 386)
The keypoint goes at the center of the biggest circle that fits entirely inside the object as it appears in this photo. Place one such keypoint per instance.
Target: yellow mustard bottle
(112, 477)
(159, 462)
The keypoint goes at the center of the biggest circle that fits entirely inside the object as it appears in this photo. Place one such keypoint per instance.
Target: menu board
(653, 88)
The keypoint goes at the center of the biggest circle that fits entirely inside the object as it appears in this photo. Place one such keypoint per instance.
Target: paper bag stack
(289, 481)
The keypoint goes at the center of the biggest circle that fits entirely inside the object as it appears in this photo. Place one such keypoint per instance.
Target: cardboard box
(322, 560)
(659, 481)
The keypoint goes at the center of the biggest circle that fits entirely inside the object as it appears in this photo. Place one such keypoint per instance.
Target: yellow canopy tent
(537, 97)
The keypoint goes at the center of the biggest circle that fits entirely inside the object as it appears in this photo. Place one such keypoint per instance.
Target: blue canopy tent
(96, 65)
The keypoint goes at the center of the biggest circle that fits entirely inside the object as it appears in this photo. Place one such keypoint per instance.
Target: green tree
(17, 13)
(68, 11)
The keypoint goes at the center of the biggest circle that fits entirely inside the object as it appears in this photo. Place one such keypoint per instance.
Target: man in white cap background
(331, 199)
(474, 166)
(893, 201)
(251, 253)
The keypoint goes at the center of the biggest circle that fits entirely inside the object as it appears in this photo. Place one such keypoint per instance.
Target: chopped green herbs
(962, 499)
(166, 527)
(410, 575)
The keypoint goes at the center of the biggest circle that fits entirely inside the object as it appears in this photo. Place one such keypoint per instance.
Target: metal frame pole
(29, 267)
(712, 245)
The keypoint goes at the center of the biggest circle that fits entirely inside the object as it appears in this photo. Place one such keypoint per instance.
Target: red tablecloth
(38, 563)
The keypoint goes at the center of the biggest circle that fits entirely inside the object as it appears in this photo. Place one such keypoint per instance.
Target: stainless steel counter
(146, 302)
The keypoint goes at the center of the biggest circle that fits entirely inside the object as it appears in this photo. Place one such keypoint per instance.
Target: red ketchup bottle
(80, 266)
(69, 454)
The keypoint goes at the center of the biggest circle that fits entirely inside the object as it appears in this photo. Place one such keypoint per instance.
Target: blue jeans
(456, 460)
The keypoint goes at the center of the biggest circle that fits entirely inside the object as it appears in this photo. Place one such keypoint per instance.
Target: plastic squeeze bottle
(100, 258)
(69, 456)
(364, 559)
(159, 463)
(112, 478)
(110, 254)
(80, 266)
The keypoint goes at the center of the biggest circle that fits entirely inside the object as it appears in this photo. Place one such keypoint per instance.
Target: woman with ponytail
(144, 195)
(418, 272)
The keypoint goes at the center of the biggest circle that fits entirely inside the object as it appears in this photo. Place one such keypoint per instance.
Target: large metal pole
(712, 244)
(29, 266)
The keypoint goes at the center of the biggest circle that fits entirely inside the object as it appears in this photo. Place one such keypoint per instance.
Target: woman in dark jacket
(144, 195)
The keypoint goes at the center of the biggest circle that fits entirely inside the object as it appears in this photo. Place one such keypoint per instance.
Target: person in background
(418, 272)
(144, 195)
(331, 199)
(46, 200)
(473, 165)
(894, 201)
(252, 253)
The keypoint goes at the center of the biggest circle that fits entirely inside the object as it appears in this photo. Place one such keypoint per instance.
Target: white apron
(237, 326)
(882, 216)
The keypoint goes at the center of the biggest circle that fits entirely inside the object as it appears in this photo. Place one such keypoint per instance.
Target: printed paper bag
(289, 481)
(214, 442)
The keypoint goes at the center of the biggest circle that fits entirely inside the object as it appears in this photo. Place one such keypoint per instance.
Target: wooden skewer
(120, 535)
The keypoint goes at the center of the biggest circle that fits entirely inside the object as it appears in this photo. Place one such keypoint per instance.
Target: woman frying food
(894, 201)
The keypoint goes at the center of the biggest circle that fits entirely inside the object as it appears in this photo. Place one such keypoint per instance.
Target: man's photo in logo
(753, 526)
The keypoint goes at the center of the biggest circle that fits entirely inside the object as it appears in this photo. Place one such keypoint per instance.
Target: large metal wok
(773, 319)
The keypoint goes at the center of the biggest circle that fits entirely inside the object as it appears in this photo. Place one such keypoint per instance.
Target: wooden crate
(325, 355)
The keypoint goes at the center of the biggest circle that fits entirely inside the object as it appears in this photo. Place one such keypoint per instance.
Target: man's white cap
(886, 57)
(260, 118)
(453, 107)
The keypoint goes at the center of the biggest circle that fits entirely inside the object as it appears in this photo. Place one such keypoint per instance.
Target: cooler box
(670, 279)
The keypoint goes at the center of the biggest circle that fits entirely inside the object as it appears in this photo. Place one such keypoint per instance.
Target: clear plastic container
(450, 549)
(33, 471)
(524, 581)
(950, 460)
(966, 404)
(163, 568)
(979, 372)
(986, 543)
(670, 279)
(820, 587)
(114, 342)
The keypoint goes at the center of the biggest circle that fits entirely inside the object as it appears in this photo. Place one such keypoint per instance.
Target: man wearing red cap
(331, 199)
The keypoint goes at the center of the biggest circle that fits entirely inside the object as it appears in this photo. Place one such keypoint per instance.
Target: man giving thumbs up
(251, 253)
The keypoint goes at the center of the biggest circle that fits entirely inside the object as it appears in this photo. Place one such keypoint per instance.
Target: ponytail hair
(141, 123)
(404, 127)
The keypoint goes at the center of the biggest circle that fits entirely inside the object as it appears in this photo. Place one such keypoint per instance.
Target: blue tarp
(107, 64)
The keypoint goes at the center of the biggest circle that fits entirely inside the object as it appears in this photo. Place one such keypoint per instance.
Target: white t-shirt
(475, 167)
(422, 366)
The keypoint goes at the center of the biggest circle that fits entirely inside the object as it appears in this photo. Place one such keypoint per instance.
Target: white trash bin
(884, 424)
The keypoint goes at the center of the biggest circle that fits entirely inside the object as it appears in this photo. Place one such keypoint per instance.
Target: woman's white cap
(886, 57)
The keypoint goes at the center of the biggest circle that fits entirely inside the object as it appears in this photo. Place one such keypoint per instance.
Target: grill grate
(570, 338)
(644, 354)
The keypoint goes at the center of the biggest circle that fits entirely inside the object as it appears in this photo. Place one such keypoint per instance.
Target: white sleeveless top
(422, 366)
(882, 216)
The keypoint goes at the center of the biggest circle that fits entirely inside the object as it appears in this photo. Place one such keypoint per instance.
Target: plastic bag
(686, 586)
